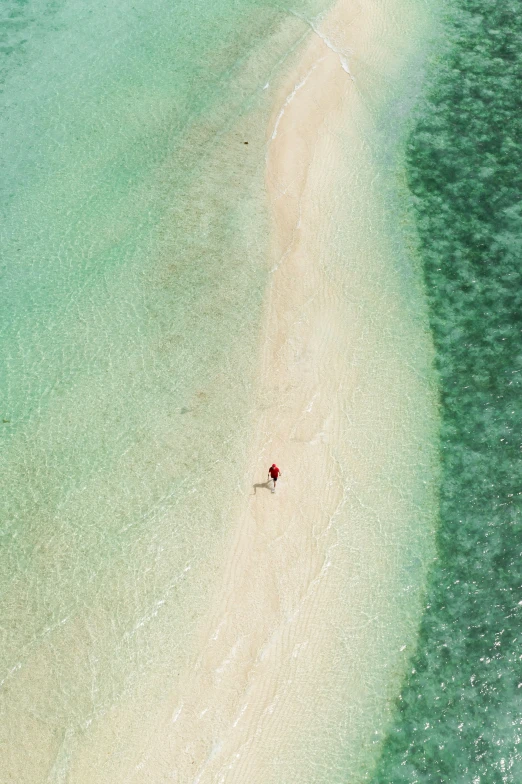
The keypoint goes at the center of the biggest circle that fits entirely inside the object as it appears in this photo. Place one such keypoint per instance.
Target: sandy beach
(301, 648)
(253, 708)
(266, 637)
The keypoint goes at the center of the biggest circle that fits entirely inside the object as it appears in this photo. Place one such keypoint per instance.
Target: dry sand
(265, 697)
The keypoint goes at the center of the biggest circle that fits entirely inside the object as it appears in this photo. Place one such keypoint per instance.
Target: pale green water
(134, 236)
(132, 278)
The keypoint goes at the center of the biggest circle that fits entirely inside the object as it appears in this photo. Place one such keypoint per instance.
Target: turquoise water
(458, 717)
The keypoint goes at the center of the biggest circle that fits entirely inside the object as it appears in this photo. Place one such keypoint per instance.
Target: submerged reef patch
(458, 717)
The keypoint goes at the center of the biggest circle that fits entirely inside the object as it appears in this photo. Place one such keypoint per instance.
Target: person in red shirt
(273, 474)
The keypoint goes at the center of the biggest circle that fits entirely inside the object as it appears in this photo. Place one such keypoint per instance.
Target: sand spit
(305, 610)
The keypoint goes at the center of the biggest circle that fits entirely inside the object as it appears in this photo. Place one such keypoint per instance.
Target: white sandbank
(304, 609)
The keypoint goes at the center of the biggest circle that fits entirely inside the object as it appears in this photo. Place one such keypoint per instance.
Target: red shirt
(274, 471)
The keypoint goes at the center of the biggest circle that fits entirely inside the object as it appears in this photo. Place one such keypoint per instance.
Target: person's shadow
(266, 485)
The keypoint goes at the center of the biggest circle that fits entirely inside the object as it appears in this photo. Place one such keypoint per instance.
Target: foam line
(292, 95)
(328, 43)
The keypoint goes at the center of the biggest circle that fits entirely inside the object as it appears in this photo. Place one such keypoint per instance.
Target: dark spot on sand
(184, 410)
(245, 142)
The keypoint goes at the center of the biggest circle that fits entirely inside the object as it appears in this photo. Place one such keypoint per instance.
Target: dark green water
(458, 719)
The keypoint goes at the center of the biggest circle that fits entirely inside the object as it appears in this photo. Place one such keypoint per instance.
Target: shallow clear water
(134, 242)
(458, 718)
